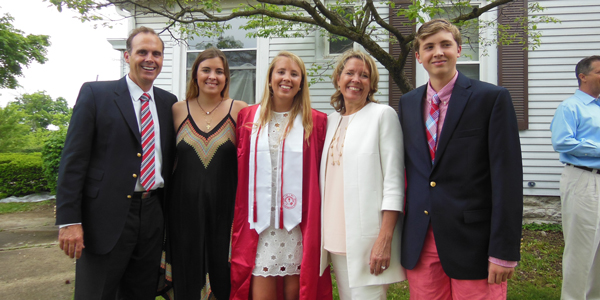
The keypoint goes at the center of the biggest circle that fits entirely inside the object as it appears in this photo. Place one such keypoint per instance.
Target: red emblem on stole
(289, 201)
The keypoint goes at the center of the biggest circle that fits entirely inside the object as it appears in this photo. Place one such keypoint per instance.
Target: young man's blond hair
(434, 26)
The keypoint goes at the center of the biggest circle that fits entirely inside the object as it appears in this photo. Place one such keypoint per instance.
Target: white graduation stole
(288, 206)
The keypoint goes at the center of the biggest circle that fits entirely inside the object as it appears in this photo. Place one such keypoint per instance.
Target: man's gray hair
(584, 66)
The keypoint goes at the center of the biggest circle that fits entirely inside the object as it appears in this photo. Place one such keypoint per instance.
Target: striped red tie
(147, 172)
(432, 125)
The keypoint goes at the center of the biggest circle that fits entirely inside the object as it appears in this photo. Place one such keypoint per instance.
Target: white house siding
(551, 80)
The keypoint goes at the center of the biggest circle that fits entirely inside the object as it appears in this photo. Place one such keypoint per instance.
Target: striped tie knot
(145, 97)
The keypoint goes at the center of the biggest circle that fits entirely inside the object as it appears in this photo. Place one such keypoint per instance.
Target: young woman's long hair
(300, 104)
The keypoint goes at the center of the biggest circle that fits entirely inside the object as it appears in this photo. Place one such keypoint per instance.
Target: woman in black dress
(200, 211)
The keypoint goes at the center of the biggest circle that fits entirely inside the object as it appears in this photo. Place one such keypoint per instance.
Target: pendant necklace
(208, 117)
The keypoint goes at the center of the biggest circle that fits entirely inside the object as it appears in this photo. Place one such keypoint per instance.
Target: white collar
(135, 91)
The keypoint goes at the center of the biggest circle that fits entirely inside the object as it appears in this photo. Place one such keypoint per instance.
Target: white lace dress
(279, 252)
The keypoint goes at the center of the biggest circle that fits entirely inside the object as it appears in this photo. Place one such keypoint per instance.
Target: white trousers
(580, 199)
(369, 292)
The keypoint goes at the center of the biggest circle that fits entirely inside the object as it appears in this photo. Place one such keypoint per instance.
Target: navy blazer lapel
(123, 101)
(415, 121)
(458, 100)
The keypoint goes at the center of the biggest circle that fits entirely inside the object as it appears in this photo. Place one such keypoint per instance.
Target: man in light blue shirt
(576, 136)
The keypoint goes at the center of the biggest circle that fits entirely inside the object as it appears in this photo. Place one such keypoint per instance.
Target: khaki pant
(580, 198)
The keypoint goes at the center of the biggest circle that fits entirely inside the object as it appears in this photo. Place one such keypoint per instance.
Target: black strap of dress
(230, 106)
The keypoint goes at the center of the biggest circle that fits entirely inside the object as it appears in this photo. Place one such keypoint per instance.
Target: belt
(147, 194)
(583, 168)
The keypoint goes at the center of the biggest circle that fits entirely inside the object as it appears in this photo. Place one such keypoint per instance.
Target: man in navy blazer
(110, 222)
(464, 197)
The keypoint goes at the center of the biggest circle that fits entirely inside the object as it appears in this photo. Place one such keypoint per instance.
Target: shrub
(51, 156)
(21, 174)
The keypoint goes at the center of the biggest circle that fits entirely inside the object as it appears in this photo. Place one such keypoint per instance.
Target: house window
(340, 46)
(335, 46)
(241, 56)
(468, 63)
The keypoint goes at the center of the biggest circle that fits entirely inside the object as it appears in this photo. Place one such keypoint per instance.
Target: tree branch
(333, 18)
(476, 12)
(209, 17)
(385, 25)
(366, 20)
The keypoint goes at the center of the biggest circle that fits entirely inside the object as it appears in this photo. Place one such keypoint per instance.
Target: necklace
(208, 112)
(207, 119)
(336, 139)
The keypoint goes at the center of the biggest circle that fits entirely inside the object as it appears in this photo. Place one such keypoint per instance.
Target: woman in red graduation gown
(276, 229)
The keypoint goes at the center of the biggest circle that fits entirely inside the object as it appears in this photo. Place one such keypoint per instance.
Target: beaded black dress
(200, 211)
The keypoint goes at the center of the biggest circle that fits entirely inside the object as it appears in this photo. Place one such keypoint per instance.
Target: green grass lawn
(539, 274)
(7, 208)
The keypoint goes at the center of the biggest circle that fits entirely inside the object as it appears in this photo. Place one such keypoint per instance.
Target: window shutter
(512, 61)
(409, 68)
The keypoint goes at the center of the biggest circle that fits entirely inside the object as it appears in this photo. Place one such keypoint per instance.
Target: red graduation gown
(244, 240)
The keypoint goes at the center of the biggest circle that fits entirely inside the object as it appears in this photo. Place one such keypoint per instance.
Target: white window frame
(488, 64)
(262, 66)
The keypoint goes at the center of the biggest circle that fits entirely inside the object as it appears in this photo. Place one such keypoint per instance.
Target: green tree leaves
(12, 128)
(51, 152)
(18, 51)
(41, 110)
(24, 123)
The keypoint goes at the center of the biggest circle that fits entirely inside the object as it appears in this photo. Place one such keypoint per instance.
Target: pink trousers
(428, 281)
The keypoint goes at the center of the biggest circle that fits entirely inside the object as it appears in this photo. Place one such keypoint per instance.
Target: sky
(78, 52)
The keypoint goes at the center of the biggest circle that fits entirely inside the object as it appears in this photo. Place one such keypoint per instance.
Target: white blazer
(373, 181)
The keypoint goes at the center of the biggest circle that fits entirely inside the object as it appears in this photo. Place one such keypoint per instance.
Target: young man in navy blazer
(110, 219)
(464, 198)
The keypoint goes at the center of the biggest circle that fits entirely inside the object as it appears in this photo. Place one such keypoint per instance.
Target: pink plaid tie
(431, 124)
(147, 172)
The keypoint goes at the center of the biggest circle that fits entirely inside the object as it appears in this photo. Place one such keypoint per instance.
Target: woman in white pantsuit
(362, 175)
